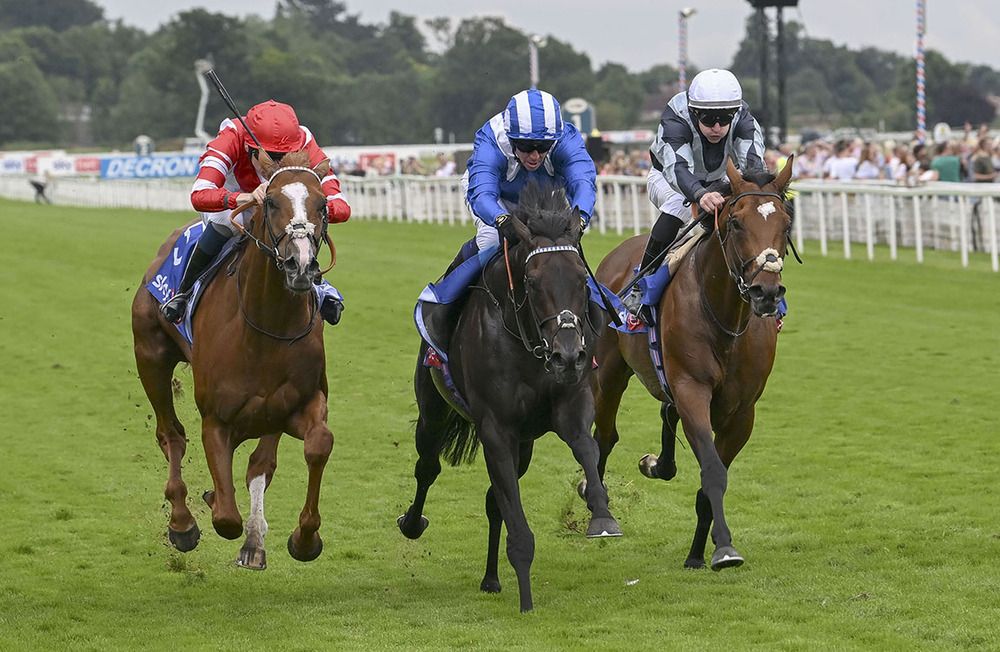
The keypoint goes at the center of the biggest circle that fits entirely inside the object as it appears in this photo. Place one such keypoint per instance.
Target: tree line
(73, 78)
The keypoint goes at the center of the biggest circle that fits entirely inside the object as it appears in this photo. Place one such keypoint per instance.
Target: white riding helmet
(715, 89)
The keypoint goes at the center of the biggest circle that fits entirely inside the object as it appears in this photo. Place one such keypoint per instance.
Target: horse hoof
(209, 498)
(228, 529)
(647, 465)
(412, 530)
(664, 472)
(694, 563)
(184, 541)
(308, 555)
(252, 558)
(726, 557)
(490, 585)
(600, 528)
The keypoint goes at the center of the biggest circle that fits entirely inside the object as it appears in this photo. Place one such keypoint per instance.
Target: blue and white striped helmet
(533, 115)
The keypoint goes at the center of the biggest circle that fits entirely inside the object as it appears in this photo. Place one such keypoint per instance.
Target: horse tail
(460, 442)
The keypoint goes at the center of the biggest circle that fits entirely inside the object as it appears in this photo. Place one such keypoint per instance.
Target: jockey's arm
(486, 169)
(208, 193)
(748, 139)
(671, 154)
(570, 158)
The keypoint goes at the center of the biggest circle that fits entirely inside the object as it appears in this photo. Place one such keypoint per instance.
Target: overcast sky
(641, 33)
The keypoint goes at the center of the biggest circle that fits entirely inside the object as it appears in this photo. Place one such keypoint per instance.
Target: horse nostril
(756, 292)
(781, 293)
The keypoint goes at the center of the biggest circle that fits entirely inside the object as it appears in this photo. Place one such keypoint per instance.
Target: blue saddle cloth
(163, 286)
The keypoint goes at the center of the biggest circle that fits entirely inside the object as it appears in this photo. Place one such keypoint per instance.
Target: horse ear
(785, 176)
(523, 232)
(322, 168)
(735, 178)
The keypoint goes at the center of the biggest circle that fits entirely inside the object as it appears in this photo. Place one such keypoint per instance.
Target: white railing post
(634, 192)
(602, 224)
(619, 227)
(821, 201)
(846, 232)
(869, 228)
(799, 218)
(963, 236)
(893, 251)
(992, 222)
(918, 237)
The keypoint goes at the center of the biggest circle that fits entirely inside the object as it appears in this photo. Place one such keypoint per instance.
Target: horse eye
(736, 225)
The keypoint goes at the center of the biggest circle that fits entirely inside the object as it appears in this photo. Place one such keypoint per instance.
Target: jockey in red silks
(229, 175)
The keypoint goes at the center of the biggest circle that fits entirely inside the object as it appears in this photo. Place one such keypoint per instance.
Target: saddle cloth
(163, 286)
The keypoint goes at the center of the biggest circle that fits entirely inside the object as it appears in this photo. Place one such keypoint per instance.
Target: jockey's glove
(505, 225)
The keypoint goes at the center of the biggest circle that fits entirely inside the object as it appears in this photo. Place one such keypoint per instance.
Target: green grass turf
(865, 503)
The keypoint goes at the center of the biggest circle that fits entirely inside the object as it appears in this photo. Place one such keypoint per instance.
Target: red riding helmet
(276, 126)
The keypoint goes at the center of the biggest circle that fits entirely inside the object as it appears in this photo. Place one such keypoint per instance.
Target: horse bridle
(292, 230)
(296, 230)
(767, 261)
(565, 319)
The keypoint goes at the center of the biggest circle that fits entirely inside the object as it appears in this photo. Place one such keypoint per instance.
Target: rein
(272, 251)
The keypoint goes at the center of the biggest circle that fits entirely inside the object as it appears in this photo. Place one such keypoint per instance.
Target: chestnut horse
(521, 356)
(258, 363)
(718, 339)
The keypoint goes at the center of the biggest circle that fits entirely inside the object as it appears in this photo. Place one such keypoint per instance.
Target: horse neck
(718, 289)
(264, 296)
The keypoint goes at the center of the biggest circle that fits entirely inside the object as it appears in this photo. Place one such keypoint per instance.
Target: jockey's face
(715, 133)
(533, 153)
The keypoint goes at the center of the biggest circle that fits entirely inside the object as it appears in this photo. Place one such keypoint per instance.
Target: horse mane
(295, 159)
(544, 208)
(759, 176)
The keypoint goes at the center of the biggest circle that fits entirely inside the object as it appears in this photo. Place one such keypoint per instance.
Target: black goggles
(710, 118)
(275, 156)
(528, 146)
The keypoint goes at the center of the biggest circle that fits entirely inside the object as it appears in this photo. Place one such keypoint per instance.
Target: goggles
(275, 156)
(712, 117)
(528, 146)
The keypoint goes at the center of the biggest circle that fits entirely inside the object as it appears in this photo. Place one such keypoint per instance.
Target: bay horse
(258, 363)
(718, 339)
(521, 356)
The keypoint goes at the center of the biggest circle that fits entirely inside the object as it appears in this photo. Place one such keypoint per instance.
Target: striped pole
(921, 96)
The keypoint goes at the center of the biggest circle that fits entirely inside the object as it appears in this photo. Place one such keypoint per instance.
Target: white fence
(958, 217)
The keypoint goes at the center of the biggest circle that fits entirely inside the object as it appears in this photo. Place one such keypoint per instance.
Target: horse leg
(305, 544)
(572, 424)
(609, 383)
(217, 439)
(491, 579)
(155, 362)
(431, 426)
(703, 511)
(500, 450)
(693, 401)
(663, 467)
(260, 470)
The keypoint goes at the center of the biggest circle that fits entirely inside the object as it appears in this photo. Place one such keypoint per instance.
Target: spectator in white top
(868, 165)
(842, 165)
(446, 166)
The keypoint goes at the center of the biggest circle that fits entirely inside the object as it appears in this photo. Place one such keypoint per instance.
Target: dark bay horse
(258, 363)
(522, 360)
(718, 344)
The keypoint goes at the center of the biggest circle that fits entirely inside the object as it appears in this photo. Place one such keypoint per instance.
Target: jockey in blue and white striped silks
(498, 171)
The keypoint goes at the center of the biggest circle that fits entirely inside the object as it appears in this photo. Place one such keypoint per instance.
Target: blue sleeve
(571, 160)
(487, 167)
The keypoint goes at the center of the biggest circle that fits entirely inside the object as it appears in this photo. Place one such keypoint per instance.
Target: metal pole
(682, 44)
(763, 116)
(782, 114)
(533, 60)
(921, 99)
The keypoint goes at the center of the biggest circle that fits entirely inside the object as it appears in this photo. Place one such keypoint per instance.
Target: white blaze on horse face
(300, 227)
(766, 209)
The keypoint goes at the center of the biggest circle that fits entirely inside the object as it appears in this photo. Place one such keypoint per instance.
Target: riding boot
(208, 247)
(660, 237)
(467, 251)
(331, 309)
